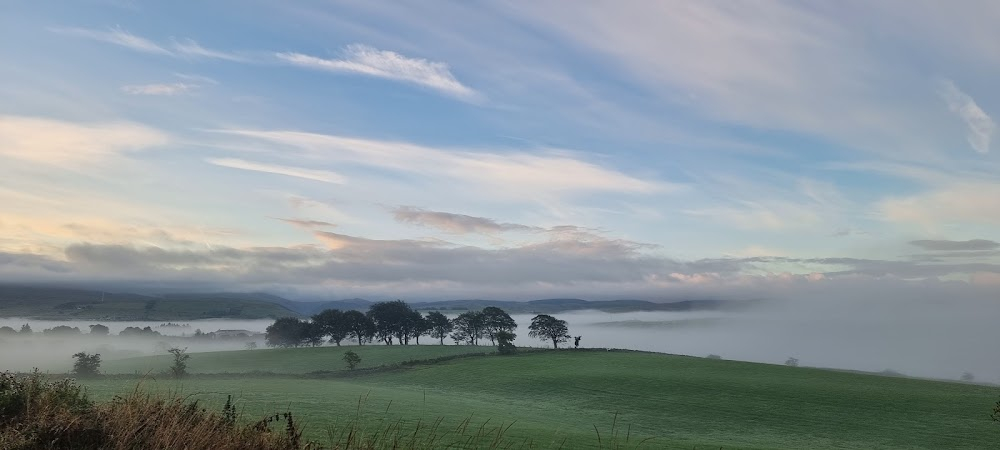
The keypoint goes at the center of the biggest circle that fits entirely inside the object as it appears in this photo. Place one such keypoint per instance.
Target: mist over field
(923, 335)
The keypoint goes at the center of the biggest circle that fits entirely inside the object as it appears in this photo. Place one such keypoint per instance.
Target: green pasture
(556, 398)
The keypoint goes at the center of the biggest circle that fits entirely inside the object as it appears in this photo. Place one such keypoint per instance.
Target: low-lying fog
(940, 339)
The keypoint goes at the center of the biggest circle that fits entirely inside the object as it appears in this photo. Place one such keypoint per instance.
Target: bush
(713, 356)
(38, 414)
(505, 342)
(87, 365)
(352, 359)
(792, 362)
(179, 368)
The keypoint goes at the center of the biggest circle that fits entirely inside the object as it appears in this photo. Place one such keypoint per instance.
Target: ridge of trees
(391, 323)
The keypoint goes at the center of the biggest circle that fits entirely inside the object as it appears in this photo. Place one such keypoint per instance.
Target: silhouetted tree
(252, 345)
(26, 329)
(359, 326)
(968, 377)
(313, 334)
(393, 319)
(469, 325)
(179, 368)
(7, 331)
(61, 330)
(420, 326)
(792, 362)
(87, 365)
(332, 324)
(286, 332)
(546, 327)
(439, 325)
(576, 342)
(99, 330)
(496, 320)
(505, 342)
(352, 359)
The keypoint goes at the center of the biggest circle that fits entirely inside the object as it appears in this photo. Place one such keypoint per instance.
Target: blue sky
(500, 150)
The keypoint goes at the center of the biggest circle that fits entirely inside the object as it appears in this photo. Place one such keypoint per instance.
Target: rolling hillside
(555, 399)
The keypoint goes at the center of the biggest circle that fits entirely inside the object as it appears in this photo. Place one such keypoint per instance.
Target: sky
(505, 150)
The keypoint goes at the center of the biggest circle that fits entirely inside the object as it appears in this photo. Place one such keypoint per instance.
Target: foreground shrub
(40, 414)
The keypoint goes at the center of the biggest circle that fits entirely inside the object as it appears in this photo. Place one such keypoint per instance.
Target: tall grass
(36, 413)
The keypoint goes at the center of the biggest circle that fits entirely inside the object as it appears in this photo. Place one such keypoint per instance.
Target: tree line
(397, 323)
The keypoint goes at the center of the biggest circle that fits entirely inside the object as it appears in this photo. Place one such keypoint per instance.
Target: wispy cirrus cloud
(947, 245)
(325, 176)
(515, 173)
(189, 47)
(366, 60)
(159, 88)
(58, 142)
(308, 224)
(177, 47)
(980, 125)
(116, 36)
(455, 223)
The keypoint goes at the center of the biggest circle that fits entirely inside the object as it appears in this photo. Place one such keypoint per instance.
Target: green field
(557, 397)
(290, 360)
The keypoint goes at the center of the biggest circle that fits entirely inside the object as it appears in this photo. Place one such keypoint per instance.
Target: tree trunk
(555, 343)
(442, 339)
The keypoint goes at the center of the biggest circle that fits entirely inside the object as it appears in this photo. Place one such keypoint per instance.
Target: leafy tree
(439, 325)
(139, 332)
(179, 368)
(460, 337)
(352, 359)
(505, 342)
(331, 324)
(99, 330)
(393, 319)
(968, 377)
(286, 332)
(313, 334)
(469, 325)
(792, 362)
(252, 345)
(359, 326)
(496, 320)
(546, 327)
(420, 326)
(7, 331)
(26, 329)
(61, 330)
(87, 365)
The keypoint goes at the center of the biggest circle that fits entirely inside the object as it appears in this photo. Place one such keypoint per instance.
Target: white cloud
(159, 89)
(981, 126)
(116, 36)
(365, 60)
(188, 47)
(963, 203)
(58, 142)
(325, 176)
(515, 174)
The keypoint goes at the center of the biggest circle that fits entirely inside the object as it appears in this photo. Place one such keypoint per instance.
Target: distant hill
(52, 303)
(555, 305)
(46, 303)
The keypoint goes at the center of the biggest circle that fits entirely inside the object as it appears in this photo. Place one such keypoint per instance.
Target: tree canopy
(546, 327)
(468, 327)
(286, 332)
(496, 320)
(439, 325)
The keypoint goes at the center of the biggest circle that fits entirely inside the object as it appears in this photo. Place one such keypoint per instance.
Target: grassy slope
(685, 401)
(291, 360)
